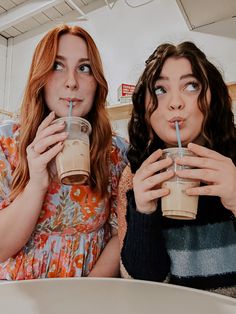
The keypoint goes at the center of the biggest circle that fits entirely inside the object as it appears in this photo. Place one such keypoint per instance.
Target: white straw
(70, 108)
(178, 134)
(69, 115)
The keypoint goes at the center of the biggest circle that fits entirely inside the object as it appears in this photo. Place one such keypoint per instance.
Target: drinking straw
(69, 115)
(70, 108)
(178, 134)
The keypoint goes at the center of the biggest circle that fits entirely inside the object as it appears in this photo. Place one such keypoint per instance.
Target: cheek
(46, 92)
(90, 87)
(93, 84)
(158, 115)
(198, 113)
(198, 120)
(156, 121)
(51, 94)
(49, 87)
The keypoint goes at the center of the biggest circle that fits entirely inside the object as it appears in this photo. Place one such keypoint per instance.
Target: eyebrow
(58, 57)
(182, 77)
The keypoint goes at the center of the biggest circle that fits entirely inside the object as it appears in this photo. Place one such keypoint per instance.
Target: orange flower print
(10, 145)
(79, 261)
(2, 165)
(71, 272)
(54, 188)
(114, 156)
(95, 250)
(78, 193)
(62, 273)
(87, 212)
(42, 241)
(47, 212)
(52, 273)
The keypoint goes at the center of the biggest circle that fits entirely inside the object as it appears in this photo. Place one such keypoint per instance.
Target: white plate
(108, 296)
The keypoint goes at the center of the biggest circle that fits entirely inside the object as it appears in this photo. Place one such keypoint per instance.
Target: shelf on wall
(6, 113)
(119, 112)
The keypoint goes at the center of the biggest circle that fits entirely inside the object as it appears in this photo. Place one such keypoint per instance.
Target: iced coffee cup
(177, 204)
(73, 162)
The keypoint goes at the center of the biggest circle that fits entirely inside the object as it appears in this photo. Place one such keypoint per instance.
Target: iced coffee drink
(177, 204)
(73, 162)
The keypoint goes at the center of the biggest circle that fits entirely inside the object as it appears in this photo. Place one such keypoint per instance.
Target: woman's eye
(86, 68)
(57, 66)
(159, 90)
(192, 86)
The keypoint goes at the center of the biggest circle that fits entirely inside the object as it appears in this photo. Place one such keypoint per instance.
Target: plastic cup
(73, 162)
(177, 204)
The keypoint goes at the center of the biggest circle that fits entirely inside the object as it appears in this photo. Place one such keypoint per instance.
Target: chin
(62, 114)
(175, 144)
(170, 144)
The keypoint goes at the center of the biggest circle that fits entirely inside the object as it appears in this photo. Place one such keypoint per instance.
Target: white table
(113, 296)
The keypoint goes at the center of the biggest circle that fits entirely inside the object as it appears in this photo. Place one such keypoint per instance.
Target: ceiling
(217, 17)
(17, 17)
(20, 16)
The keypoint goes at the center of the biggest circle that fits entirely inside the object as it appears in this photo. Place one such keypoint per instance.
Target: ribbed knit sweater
(198, 253)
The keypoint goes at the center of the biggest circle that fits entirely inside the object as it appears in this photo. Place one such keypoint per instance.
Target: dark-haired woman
(180, 84)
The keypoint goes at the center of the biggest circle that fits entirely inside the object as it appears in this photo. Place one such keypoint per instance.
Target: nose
(176, 102)
(71, 80)
(176, 106)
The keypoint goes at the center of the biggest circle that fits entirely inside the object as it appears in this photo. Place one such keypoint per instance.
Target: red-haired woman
(48, 229)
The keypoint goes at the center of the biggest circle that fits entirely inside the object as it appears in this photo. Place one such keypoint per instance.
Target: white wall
(126, 37)
(3, 54)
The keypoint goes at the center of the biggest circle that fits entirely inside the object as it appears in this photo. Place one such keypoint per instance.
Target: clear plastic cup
(73, 162)
(177, 204)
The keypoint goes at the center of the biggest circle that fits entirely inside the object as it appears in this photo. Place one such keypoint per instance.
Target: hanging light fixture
(131, 3)
(137, 3)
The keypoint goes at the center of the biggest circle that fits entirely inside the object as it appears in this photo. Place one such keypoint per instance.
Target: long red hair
(34, 109)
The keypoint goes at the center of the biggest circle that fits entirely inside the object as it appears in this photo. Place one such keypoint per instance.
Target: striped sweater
(198, 253)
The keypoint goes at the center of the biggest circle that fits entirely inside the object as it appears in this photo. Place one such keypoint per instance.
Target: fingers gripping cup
(73, 162)
(177, 204)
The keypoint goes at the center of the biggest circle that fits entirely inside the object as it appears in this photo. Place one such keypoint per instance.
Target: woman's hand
(215, 170)
(46, 145)
(147, 182)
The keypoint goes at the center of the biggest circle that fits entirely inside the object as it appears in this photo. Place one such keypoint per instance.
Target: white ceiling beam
(83, 15)
(24, 11)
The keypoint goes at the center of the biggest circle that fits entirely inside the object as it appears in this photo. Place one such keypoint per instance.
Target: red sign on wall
(125, 90)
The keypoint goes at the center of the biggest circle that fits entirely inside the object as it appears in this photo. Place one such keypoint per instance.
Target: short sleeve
(7, 162)
(118, 163)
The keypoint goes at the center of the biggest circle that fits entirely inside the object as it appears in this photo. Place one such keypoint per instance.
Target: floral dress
(74, 224)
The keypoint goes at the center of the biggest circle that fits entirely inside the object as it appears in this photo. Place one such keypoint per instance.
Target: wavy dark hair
(218, 128)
